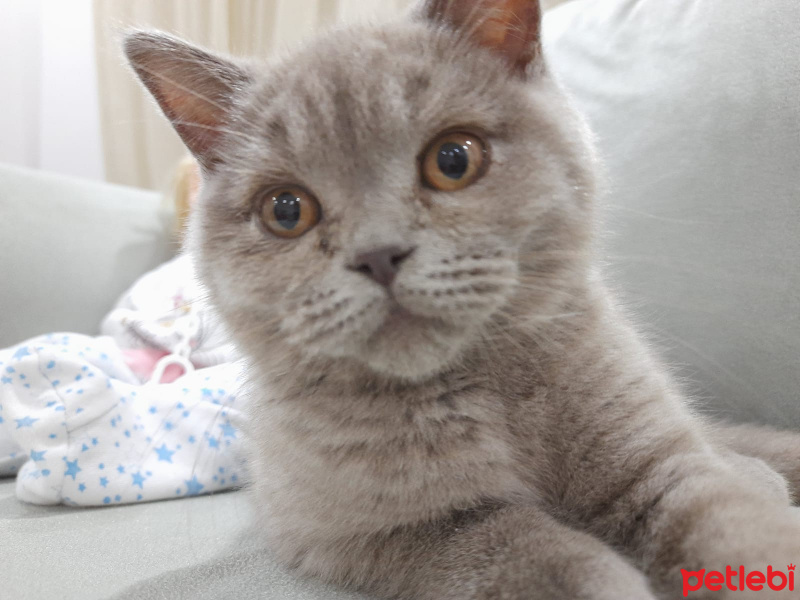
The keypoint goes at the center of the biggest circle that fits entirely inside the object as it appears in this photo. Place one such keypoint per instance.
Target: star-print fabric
(77, 427)
(149, 411)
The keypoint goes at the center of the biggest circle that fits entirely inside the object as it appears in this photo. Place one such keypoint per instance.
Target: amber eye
(290, 212)
(454, 161)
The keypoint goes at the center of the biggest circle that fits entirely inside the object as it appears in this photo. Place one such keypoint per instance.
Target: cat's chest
(370, 465)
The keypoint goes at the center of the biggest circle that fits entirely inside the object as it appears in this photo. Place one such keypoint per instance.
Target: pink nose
(381, 265)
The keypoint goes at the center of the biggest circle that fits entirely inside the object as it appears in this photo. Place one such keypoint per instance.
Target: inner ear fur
(195, 89)
(510, 28)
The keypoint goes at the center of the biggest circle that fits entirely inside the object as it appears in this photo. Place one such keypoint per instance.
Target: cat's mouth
(398, 313)
(398, 317)
(405, 331)
(411, 346)
(397, 337)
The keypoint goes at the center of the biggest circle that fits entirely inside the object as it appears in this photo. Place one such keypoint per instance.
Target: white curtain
(49, 107)
(139, 147)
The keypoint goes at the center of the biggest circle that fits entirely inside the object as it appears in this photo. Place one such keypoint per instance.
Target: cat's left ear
(196, 90)
(510, 28)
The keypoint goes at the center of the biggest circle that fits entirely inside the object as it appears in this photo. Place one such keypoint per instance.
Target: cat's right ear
(511, 29)
(195, 89)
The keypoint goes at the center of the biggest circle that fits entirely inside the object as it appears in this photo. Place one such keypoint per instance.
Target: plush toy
(162, 323)
(162, 320)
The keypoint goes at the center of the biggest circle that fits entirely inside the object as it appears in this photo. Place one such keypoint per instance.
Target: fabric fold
(82, 430)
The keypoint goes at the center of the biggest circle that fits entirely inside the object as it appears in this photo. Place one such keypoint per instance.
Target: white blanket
(79, 426)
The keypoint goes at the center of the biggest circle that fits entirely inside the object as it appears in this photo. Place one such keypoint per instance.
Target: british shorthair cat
(396, 224)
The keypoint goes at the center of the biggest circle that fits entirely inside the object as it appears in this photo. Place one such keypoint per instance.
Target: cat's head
(384, 195)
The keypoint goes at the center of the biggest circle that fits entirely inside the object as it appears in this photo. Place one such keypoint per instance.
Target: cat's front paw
(765, 478)
(604, 578)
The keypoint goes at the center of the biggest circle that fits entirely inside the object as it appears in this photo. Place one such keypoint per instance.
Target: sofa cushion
(69, 248)
(695, 107)
(193, 549)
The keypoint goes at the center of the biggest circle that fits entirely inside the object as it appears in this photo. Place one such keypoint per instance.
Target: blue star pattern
(193, 487)
(25, 422)
(114, 442)
(72, 468)
(165, 453)
(21, 353)
(228, 430)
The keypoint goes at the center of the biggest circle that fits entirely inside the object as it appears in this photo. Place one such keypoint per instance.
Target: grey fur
(512, 437)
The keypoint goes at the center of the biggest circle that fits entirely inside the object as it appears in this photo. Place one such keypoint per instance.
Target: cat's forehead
(365, 89)
(400, 61)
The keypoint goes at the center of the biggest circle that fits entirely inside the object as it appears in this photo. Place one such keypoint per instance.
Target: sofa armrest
(69, 248)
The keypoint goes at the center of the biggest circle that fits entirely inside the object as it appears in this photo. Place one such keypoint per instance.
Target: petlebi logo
(738, 580)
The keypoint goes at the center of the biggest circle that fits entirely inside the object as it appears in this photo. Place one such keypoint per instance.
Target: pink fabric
(143, 362)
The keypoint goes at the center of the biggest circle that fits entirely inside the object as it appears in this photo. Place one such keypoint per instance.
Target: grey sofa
(701, 138)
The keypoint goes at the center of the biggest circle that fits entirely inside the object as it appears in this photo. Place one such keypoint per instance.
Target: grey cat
(397, 226)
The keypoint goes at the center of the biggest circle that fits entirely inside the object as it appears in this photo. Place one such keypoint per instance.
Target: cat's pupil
(287, 210)
(453, 160)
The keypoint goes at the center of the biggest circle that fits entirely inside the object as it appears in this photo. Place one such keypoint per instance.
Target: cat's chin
(412, 347)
